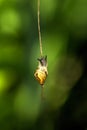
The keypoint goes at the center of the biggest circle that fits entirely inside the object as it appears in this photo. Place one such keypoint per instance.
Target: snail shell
(41, 74)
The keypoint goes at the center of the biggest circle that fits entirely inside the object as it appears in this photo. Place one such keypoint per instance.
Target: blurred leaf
(10, 21)
(27, 103)
(7, 79)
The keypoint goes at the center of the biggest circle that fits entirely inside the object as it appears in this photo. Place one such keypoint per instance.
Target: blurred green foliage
(64, 35)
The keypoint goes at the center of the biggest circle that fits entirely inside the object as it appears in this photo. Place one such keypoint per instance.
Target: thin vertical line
(39, 31)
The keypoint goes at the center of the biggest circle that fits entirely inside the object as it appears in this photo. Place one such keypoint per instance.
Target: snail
(41, 72)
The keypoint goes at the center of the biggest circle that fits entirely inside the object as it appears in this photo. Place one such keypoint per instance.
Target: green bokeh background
(64, 38)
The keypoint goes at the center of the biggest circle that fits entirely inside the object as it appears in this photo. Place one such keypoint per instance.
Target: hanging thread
(39, 30)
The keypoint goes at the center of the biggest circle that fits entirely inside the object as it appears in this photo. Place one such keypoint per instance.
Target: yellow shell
(41, 74)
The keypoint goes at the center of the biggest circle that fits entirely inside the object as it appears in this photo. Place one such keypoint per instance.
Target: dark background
(64, 39)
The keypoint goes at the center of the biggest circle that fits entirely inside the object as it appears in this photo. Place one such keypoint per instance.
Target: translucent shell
(41, 74)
